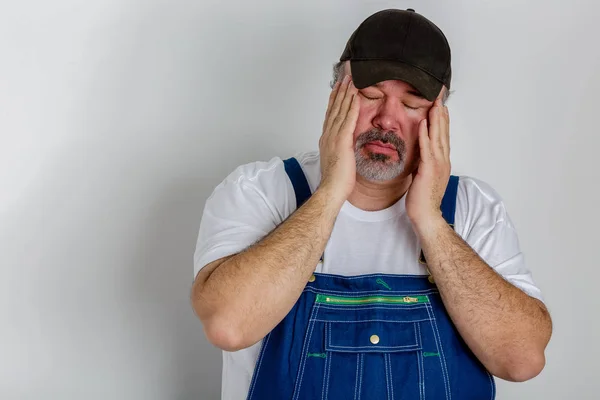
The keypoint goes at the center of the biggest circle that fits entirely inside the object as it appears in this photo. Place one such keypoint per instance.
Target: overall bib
(375, 336)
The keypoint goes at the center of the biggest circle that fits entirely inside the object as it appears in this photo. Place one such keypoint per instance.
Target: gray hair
(339, 73)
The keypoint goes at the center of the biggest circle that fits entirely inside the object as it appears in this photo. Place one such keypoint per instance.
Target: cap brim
(369, 72)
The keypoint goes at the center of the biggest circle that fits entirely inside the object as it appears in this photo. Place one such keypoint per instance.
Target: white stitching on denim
(362, 293)
(391, 376)
(330, 346)
(363, 308)
(372, 292)
(387, 375)
(421, 376)
(374, 276)
(303, 354)
(356, 382)
(421, 368)
(369, 351)
(324, 378)
(325, 370)
(387, 379)
(437, 345)
(438, 342)
(262, 353)
(370, 320)
(406, 346)
(416, 338)
(442, 353)
(328, 375)
(362, 363)
(394, 307)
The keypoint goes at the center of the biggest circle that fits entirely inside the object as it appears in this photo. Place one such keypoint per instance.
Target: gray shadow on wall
(161, 273)
(161, 281)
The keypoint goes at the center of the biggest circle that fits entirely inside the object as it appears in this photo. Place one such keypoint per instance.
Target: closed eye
(411, 108)
(369, 97)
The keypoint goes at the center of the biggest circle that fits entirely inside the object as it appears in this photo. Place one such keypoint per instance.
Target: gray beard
(375, 166)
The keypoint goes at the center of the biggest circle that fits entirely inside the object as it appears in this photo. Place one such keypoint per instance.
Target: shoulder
(252, 172)
(268, 181)
(478, 204)
(260, 172)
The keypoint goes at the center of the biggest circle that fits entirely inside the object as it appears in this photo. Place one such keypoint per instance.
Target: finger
(424, 142)
(332, 95)
(337, 103)
(445, 133)
(354, 109)
(347, 102)
(442, 130)
(434, 129)
(441, 94)
(349, 124)
(444, 122)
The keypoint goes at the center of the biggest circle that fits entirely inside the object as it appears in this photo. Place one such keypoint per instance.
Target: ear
(347, 68)
(443, 96)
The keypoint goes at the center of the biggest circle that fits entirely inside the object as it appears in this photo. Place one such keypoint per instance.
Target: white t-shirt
(257, 197)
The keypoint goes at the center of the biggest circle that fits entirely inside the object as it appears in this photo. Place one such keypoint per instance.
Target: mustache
(384, 137)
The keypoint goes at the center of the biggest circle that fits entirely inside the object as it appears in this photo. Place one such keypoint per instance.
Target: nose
(388, 116)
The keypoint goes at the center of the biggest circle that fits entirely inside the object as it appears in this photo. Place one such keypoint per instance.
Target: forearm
(249, 294)
(504, 327)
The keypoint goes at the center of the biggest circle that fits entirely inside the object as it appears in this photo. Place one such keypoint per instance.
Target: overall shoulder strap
(302, 192)
(449, 201)
(299, 182)
(298, 179)
(448, 206)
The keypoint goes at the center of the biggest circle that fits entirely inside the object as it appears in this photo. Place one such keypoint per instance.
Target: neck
(375, 196)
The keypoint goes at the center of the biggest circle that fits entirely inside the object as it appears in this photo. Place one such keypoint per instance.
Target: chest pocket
(373, 347)
(372, 337)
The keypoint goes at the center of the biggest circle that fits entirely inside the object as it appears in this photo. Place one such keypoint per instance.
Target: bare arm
(243, 298)
(240, 299)
(505, 328)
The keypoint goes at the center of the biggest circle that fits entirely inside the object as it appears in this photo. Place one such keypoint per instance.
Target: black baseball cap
(403, 45)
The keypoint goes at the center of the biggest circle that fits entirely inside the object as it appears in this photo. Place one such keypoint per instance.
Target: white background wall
(118, 117)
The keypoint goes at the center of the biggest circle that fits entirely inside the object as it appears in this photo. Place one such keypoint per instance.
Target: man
(365, 270)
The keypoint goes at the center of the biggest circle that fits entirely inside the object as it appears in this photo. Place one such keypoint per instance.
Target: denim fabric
(326, 351)
(375, 349)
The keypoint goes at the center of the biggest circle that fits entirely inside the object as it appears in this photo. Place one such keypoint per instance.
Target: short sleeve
(484, 223)
(243, 209)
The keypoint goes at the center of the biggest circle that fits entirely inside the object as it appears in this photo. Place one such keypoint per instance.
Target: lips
(381, 144)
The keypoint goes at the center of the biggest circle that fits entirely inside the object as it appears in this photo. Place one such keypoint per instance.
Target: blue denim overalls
(375, 336)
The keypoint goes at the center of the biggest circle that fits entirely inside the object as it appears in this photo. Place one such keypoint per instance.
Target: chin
(378, 170)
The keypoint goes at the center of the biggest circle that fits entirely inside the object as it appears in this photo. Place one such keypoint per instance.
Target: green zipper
(326, 299)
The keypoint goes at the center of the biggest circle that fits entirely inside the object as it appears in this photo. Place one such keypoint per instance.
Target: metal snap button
(312, 278)
(374, 339)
